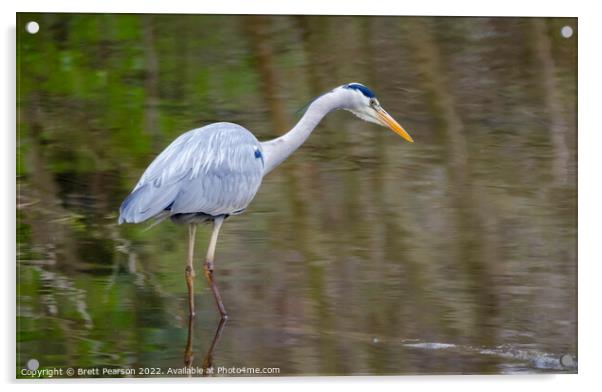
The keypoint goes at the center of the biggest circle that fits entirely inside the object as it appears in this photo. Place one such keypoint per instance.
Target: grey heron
(213, 172)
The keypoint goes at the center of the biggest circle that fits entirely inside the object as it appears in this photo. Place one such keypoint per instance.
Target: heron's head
(359, 100)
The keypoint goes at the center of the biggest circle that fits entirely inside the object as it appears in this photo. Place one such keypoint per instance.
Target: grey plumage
(214, 170)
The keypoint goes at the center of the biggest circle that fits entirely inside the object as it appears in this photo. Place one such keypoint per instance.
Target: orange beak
(388, 121)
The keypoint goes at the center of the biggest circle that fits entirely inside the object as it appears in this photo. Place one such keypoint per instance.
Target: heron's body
(215, 171)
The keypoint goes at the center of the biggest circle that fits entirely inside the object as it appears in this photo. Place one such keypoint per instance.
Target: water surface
(362, 254)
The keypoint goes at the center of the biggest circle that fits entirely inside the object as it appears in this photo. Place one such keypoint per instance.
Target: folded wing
(216, 169)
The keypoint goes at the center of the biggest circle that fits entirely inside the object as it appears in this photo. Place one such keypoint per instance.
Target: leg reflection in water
(208, 360)
(188, 357)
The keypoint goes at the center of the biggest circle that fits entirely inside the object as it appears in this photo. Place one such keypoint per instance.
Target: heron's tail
(146, 202)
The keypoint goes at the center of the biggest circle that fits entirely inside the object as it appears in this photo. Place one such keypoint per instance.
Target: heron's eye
(373, 102)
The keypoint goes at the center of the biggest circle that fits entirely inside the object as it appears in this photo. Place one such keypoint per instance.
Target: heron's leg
(217, 223)
(188, 354)
(190, 268)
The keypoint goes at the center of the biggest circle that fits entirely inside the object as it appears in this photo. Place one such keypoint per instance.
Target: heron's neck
(277, 150)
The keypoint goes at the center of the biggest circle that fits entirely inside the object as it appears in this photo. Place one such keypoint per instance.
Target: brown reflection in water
(296, 177)
(553, 101)
(477, 244)
(258, 35)
(300, 179)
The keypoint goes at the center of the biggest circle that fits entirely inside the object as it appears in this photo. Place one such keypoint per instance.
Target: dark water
(362, 254)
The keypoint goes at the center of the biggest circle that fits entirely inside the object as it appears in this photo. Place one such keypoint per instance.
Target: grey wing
(215, 170)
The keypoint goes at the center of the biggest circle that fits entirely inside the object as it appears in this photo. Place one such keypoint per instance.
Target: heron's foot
(208, 270)
(188, 357)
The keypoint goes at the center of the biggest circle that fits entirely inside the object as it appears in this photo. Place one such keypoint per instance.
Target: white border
(333, 7)
(590, 132)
